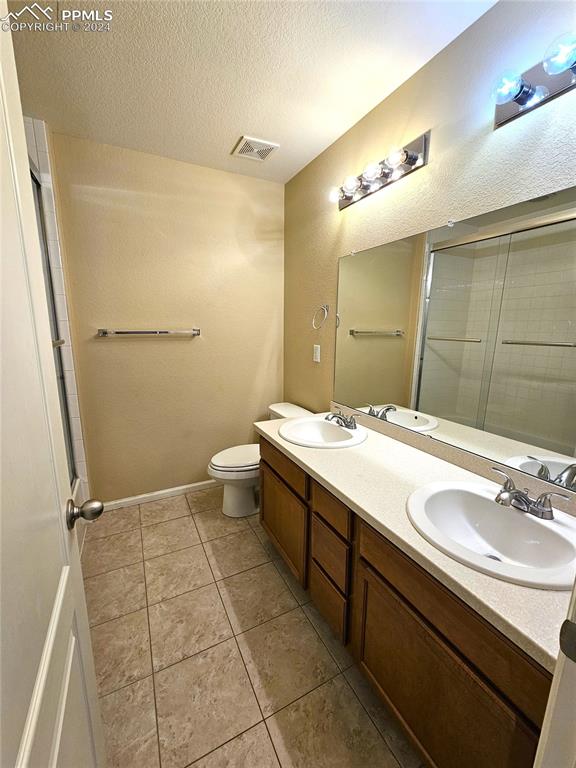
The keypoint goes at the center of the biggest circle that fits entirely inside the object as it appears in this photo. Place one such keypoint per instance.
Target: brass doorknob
(90, 510)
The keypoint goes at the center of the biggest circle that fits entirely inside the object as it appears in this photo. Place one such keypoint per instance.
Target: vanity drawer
(513, 672)
(331, 510)
(328, 600)
(291, 473)
(331, 553)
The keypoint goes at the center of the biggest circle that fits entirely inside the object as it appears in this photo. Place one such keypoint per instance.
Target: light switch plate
(316, 353)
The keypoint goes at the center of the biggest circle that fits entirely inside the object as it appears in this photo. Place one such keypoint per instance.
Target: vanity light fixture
(517, 93)
(378, 174)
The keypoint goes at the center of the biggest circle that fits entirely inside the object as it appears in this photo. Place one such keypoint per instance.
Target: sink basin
(419, 422)
(404, 417)
(316, 432)
(464, 521)
(526, 464)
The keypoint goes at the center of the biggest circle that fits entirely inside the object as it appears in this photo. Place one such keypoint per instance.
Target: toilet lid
(238, 457)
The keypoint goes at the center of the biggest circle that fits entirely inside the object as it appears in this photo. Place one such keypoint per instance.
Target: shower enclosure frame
(506, 229)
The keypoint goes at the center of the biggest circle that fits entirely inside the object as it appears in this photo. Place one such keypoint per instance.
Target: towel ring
(318, 323)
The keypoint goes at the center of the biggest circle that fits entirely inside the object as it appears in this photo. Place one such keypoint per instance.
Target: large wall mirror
(468, 335)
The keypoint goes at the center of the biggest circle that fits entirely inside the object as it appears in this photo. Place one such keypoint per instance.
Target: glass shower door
(463, 297)
(532, 392)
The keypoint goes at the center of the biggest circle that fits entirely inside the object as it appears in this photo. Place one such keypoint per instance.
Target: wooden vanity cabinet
(284, 509)
(465, 693)
(330, 570)
(312, 530)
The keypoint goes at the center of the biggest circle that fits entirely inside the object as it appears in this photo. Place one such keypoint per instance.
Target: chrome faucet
(382, 412)
(349, 422)
(385, 410)
(567, 478)
(510, 496)
(543, 471)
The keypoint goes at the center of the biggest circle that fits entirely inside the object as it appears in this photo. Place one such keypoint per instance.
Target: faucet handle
(371, 410)
(543, 501)
(543, 471)
(508, 482)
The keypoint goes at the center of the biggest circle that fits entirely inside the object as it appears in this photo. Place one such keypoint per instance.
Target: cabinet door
(285, 519)
(453, 715)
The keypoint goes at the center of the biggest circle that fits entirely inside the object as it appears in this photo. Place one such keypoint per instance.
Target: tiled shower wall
(533, 390)
(37, 143)
(528, 393)
(448, 316)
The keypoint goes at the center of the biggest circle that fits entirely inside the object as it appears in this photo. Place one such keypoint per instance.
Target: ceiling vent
(254, 149)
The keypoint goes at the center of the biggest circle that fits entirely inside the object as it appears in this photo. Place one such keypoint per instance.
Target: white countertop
(496, 447)
(375, 479)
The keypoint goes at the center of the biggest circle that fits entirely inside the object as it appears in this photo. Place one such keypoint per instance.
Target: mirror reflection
(473, 339)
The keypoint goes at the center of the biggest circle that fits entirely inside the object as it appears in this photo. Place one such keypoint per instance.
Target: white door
(49, 710)
(557, 747)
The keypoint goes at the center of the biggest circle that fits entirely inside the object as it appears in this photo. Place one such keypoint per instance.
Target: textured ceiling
(186, 79)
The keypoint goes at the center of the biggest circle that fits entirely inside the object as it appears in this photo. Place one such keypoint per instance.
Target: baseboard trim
(131, 501)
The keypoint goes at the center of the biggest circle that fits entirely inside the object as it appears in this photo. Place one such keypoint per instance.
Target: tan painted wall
(150, 242)
(472, 170)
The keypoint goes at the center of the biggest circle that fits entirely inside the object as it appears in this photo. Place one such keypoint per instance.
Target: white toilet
(238, 468)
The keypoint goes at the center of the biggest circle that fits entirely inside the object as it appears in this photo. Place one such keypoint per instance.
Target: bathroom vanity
(457, 655)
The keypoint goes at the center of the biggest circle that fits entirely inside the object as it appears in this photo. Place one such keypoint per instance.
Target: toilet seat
(239, 459)
(238, 468)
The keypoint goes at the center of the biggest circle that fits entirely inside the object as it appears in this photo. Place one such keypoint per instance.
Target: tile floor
(209, 653)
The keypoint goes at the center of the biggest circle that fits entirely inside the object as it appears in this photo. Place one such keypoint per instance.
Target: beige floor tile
(121, 651)
(163, 509)
(101, 555)
(203, 702)
(266, 541)
(235, 553)
(253, 520)
(384, 720)
(285, 659)
(116, 521)
(207, 498)
(176, 573)
(187, 624)
(129, 719)
(213, 523)
(341, 656)
(252, 749)
(255, 596)
(115, 593)
(328, 728)
(162, 538)
(301, 595)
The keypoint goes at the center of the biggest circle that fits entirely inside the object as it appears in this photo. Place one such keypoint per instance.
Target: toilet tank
(287, 411)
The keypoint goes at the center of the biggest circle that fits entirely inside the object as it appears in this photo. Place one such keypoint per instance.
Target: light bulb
(334, 194)
(351, 184)
(372, 172)
(397, 173)
(561, 55)
(396, 158)
(540, 92)
(508, 87)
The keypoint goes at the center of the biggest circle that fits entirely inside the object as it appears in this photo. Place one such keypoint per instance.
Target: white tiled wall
(36, 140)
(448, 316)
(518, 288)
(533, 389)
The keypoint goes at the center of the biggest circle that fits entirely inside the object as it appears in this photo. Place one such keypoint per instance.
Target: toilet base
(240, 499)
